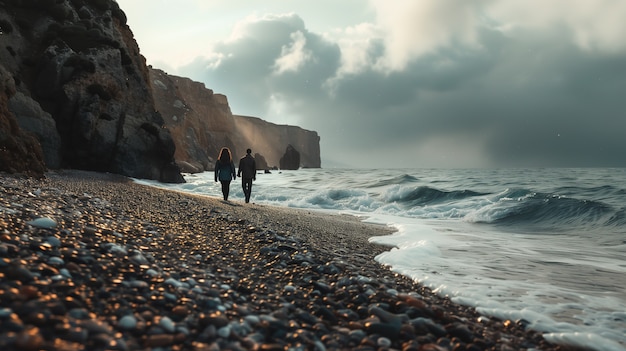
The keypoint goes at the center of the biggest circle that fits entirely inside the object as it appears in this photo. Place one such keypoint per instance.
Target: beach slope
(92, 261)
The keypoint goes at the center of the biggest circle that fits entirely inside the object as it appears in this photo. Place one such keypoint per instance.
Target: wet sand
(121, 266)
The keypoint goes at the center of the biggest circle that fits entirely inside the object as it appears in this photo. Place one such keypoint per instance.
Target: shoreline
(132, 267)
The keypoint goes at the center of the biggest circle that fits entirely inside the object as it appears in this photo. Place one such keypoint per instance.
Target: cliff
(201, 123)
(75, 92)
(74, 83)
(273, 141)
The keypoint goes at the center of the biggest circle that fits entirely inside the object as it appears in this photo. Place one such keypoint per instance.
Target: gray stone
(128, 322)
(43, 222)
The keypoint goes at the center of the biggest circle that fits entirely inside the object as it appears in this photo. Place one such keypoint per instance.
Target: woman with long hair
(225, 170)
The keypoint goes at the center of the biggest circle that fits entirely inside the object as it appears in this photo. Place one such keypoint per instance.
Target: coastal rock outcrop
(261, 162)
(201, 123)
(291, 159)
(82, 88)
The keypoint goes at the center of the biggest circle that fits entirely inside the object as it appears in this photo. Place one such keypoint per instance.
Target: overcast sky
(410, 83)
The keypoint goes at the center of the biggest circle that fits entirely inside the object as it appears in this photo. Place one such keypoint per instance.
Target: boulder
(291, 159)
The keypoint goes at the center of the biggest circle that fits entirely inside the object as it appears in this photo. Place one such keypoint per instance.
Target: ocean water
(544, 245)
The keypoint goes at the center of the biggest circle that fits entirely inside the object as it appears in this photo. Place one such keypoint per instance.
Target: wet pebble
(56, 261)
(53, 241)
(167, 324)
(43, 222)
(128, 322)
(383, 342)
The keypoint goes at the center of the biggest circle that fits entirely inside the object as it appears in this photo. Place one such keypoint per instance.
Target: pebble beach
(94, 261)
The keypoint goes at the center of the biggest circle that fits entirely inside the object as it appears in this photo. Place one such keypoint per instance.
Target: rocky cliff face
(73, 77)
(201, 123)
(275, 141)
(20, 152)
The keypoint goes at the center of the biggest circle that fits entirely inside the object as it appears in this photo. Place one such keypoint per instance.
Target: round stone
(56, 261)
(383, 342)
(224, 332)
(43, 222)
(128, 322)
(252, 320)
(167, 324)
(53, 241)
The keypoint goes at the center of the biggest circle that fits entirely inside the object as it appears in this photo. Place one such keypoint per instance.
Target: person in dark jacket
(225, 170)
(247, 173)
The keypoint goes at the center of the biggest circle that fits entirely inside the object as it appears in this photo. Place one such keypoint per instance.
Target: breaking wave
(425, 195)
(525, 207)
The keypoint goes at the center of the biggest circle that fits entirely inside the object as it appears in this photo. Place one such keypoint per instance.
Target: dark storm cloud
(557, 106)
(533, 101)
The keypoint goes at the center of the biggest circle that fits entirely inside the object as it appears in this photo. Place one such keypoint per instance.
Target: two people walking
(225, 172)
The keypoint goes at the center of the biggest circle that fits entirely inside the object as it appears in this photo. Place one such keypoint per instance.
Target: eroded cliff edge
(201, 123)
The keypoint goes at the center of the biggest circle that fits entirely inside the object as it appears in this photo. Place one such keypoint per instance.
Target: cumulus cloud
(361, 45)
(293, 56)
(415, 28)
(439, 82)
(592, 25)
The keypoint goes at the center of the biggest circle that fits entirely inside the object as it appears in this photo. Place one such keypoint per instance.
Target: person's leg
(225, 188)
(247, 188)
(244, 186)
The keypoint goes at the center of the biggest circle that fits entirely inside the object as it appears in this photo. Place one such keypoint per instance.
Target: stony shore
(92, 261)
